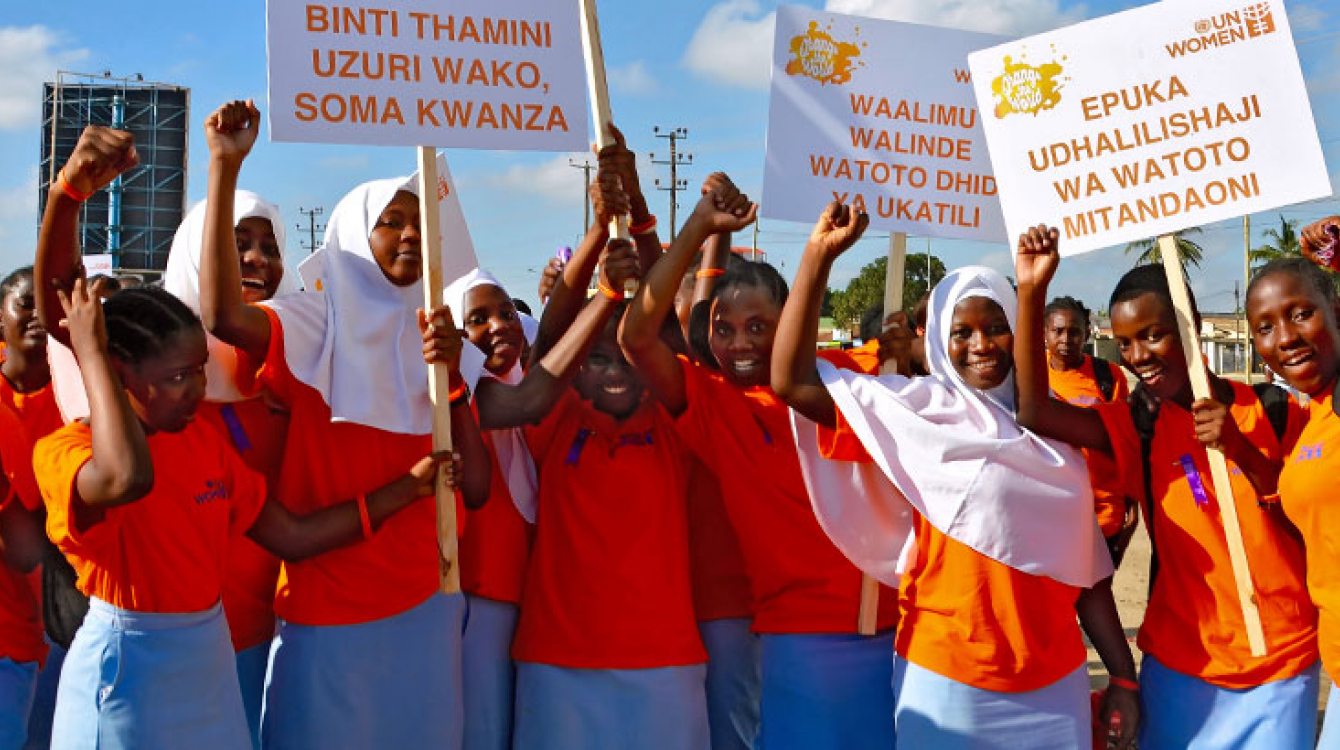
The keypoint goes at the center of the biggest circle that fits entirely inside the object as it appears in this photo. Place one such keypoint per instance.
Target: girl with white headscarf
(256, 426)
(989, 528)
(368, 652)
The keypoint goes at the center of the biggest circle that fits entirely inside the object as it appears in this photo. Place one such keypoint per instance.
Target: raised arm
(100, 155)
(501, 405)
(1035, 264)
(230, 132)
(794, 377)
(724, 209)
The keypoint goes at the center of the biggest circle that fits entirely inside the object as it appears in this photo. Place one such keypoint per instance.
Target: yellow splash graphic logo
(819, 56)
(1027, 89)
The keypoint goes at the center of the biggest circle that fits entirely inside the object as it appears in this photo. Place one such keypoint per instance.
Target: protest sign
(1149, 121)
(489, 74)
(881, 115)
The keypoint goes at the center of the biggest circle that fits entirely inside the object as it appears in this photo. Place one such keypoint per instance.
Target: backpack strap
(1102, 375)
(1275, 401)
(1145, 415)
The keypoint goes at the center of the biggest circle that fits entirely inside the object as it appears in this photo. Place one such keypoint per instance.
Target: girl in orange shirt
(823, 686)
(22, 649)
(1002, 538)
(1200, 685)
(1292, 309)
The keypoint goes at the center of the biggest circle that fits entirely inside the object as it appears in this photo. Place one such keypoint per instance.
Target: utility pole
(311, 228)
(675, 161)
(586, 168)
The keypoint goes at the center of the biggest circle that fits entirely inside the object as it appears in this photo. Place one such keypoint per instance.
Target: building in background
(134, 218)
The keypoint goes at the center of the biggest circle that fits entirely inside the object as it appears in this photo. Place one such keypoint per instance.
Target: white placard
(1150, 121)
(458, 250)
(881, 115)
(97, 264)
(488, 74)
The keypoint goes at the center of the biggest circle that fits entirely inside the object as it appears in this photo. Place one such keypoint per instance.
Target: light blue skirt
(490, 674)
(827, 692)
(44, 699)
(251, 665)
(559, 708)
(734, 682)
(144, 680)
(391, 683)
(937, 712)
(1330, 729)
(1181, 711)
(18, 679)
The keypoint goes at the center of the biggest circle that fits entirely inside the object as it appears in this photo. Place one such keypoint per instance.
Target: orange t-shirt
(256, 429)
(165, 552)
(326, 463)
(608, 585)
(1307, 492)
(970, 618)
(1193, 623)
(1080, 387)
(496, 544)
(20, 616)
(716, 564)
(865, 356)
(801, 582)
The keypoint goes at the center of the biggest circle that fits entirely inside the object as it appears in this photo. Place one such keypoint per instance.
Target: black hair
(1067, 304)
(758, 274)
(521, 305)
(1304, 269)
(872, 323)
(15, 277)
(142, 320)
(1148, 279)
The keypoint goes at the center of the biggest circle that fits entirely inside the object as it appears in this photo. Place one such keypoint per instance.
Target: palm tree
(1149, 249)
(1284, 244)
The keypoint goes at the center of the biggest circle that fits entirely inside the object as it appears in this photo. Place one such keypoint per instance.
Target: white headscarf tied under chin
(957, 456)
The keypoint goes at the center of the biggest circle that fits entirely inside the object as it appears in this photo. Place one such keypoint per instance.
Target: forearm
(121, 470)
(1262, 472)
(476, 464)
(294, 537)
(57, 264)
(656, 297)
(1037, 410)
(222, 308)
(795, 378)
(716, 254)
(569, 293)
(1098, 616)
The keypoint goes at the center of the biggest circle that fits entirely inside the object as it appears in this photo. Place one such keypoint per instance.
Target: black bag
(63, 605)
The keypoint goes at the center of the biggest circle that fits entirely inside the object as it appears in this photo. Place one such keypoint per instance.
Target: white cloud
(1304, 18)
(1010, 17)
(633, 79)
(733, 45)
(18, 223)
(551, 180)
(29, 56)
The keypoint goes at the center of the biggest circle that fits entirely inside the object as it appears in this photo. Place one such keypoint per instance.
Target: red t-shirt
(716, 564)
(1080, 387)
(256, 428)
(1193, 623)
(165, 552)
(326, 463)
(608, 585)
(20, 614)
(801, 582)
(496, 544)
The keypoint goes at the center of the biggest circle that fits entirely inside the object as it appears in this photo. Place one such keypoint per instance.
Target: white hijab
(182, 278)
(354, 337)
(957, 456)
(514, 459)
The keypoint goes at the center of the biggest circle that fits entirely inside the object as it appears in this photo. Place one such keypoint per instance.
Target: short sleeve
(247, 492)
(1125, 442)
(540, 437)
(701, 405)
(271, 372)
(57, 459)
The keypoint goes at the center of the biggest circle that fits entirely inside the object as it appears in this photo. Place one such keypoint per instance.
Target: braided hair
(758, 274)
(1067, 304)
(141, 322)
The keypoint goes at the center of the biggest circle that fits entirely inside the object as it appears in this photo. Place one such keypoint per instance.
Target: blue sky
(700, 64)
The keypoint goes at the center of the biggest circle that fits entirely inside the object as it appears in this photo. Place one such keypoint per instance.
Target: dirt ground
(1130, 588)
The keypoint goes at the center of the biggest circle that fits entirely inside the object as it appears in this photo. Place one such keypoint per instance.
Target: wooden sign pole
(1223, 489)
(449, 573)
(600, 95)
(868, 617)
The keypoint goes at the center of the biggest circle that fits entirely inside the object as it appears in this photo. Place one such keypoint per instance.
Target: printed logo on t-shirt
(1309, 452)
(215, 489)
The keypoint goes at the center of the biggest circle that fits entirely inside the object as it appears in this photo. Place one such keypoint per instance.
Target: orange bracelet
(69, 190)
(645, 227)
(710, 273)
(1121, 682)
(459, 392)
(616, 296)
(363, 516)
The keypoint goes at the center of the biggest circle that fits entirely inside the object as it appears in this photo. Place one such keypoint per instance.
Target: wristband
(1266, 502)
(69, 190)
(646, 227)
(709, 273)
(616, 296)
(458, 393)
(363, 519)
(1121, 682)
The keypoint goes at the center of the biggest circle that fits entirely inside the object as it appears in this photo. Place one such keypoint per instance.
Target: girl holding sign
(1200, 685)
(823, 685)
(988, 651)
(347, 361)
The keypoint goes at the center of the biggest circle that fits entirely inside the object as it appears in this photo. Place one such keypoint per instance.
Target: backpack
(63, 605)
(1102, 375)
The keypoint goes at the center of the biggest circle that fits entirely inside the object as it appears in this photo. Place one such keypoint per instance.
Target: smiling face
(165, 390)
(607, 380)
(1065, 335)
(18, 319)
(395, 240)
(981, 343)
(743, 323)
(262, 264)
(1294, 330)
(492, 324)
(1145, 328)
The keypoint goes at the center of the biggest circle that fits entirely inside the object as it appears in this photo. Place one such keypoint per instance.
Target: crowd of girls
(669, 504)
